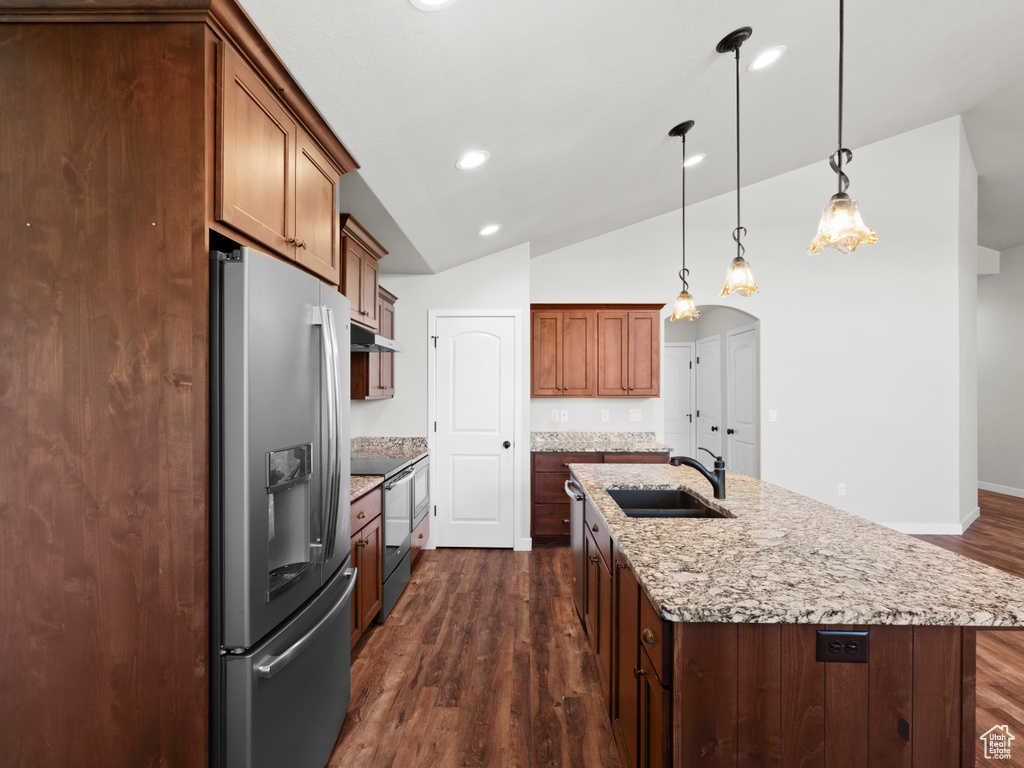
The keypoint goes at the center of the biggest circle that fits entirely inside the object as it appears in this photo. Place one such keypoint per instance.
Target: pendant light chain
(843, 181)
(682, 272)
(740, 249)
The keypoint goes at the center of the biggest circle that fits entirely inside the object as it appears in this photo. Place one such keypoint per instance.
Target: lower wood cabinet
(550, 520)
(419, 537)
(367, 556)
(625, 704)
(654, 728)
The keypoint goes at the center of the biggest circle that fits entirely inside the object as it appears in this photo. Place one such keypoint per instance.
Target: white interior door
(741, 388)
(709, 396)
(474, 394)
(680, 398)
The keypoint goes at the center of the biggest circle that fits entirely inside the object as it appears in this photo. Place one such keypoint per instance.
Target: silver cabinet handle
(575, 495)
(271, 665)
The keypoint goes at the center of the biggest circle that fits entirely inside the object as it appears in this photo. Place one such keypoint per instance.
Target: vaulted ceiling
(574, 100)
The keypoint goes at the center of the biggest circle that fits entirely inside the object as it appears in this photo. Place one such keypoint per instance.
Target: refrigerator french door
(281, 575)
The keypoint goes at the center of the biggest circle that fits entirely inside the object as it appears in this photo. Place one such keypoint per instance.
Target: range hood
(365, 340)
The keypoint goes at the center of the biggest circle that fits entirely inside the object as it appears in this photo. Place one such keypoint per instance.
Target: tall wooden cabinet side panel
(255, 157)
(104, 327)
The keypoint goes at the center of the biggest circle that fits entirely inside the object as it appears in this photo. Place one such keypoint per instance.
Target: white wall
(860, 354)
(1001, 376)
(585, 414)
(988, 261)
(499, 281)
(967, 271)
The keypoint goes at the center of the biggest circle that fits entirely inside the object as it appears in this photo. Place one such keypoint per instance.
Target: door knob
(714, 429)
(730, 431)
(506, 444)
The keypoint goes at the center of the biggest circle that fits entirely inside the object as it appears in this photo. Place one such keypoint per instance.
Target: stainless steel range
(398, 513)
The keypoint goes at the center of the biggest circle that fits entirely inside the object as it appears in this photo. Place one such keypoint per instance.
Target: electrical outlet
(565, 415)
(604, 414)
(635, 414)
(842, 489)
(773, 415)
(554, 415)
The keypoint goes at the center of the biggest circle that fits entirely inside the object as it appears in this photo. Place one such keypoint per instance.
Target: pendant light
(685, 309)
(738, 279)
(841, 226)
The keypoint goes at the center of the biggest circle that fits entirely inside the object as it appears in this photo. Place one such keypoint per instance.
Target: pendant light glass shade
(739, 279)
(841, 227)
(685, 308)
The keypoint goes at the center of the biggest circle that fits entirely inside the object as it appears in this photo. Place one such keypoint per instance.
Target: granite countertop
(785, 558)
(363, 484)
(595, 442)
(411, 448)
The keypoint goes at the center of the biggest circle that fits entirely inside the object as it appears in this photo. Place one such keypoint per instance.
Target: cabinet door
(591, 588)
(576, 554)
(352, 277)
(603, 651)
(316, 225)
(625, 663)
(386, 313)
(546, 354)
(370, 590)
(644, 354)
(368, 291)
(357, 630)
(613, 354)
(255, 157)
(579, 354)
(655, 745)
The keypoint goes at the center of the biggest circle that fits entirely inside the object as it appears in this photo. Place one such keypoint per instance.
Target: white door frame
(757, 387)
(518, 444)
(693, 388)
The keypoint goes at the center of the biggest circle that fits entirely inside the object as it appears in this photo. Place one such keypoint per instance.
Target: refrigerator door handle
(328, 481)
(334, 457)
(271, 665)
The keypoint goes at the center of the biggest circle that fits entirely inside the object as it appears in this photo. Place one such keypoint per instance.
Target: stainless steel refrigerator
(281, 575)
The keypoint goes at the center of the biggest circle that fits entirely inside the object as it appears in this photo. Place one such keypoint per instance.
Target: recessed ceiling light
(692, 161)
(473, 159)
(764, 58)
(490, 229)
(431, 5)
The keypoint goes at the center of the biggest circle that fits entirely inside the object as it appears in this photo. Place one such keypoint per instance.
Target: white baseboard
(937, 529)
(1004, 489)
(523, 545)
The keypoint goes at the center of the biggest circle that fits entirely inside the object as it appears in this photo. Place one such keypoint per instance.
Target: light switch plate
(773, 415)
(565, 415)
(604, 414)
(635, 414)
(842, 489)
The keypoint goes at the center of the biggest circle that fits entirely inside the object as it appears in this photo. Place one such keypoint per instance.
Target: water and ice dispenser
(289, 471)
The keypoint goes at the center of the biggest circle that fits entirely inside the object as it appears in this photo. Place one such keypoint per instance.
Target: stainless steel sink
(661, 503)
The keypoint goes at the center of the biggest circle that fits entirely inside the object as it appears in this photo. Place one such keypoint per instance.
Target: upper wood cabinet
(587, 350)
(274, 183)
(629, 353)
(360, 254)
(373, 373)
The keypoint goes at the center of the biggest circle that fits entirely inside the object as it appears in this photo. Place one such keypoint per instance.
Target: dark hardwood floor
(997, 539)
(482, 663)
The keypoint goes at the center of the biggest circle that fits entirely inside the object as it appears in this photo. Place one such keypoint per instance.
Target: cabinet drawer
(595, 524)
(365, 508)
(551, 519)
(558, 462)
(419, 537)
(656, 639)
(549, 488)
(636, 458)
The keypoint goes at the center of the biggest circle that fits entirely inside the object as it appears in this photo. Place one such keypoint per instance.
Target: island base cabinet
(755, 695)
(655, 747)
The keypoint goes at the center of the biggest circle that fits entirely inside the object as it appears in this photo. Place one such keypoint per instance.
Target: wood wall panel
(846, 712)
(704, 689)
(803, 698)
(891, 680)
(936, 727)
(103, 396)
(759, 695)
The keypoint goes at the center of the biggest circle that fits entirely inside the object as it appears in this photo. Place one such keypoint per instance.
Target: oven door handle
(271, 665)
(400, 479)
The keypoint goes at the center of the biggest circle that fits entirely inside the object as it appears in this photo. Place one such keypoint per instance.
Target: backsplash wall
(585, 414)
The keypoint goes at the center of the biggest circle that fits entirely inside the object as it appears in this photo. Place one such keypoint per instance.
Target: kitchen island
(706, 631)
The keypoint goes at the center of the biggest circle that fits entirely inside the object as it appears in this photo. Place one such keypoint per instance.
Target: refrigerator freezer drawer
(286, 699)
